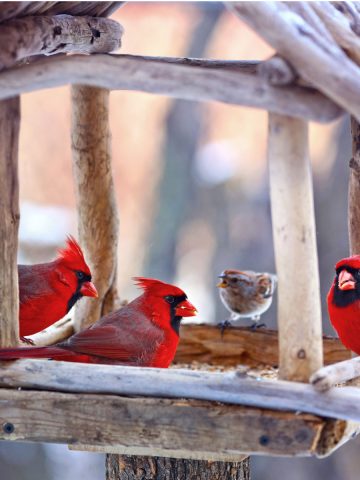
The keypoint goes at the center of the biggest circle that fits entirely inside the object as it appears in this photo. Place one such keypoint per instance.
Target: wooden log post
(354, 190)
(299, 314)
(98, 222)
(9, 221)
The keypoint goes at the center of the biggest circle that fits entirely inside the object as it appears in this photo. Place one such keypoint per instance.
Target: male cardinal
(246, 294)
(48, 290)
(143, 333)
(344, 302)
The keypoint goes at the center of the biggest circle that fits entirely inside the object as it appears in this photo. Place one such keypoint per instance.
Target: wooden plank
(46, 35)
(241, 346)
(158, 452)
(327, 377)
(199, 80)
(230, 387)
(293, 219)
(9, 223)
(354, 190)
(98, 221)
(186, 425)
(325, 65)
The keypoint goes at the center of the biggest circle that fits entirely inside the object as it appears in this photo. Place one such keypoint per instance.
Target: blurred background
(192, 188)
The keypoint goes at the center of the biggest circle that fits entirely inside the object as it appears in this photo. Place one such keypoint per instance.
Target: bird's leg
(223, 326)
(28, 341)
(256, 323)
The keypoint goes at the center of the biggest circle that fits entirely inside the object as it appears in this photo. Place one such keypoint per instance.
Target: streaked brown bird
(246, 294)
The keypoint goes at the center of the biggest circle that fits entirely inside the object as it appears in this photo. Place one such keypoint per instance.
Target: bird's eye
(169, 298)
(233, 280)
(80, 275)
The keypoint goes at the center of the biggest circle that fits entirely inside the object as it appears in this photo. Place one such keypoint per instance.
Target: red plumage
(344, 302)
(143, 333)
(47, 291)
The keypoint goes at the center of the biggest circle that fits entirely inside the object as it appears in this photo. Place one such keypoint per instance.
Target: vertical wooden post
(158, 468)
(98, 222)
(354, 190)
(9, 221)
(292, 207)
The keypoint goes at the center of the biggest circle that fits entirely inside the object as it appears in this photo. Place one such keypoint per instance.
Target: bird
(47, 291)
(343, 301)
(246, 294)
(145, 332)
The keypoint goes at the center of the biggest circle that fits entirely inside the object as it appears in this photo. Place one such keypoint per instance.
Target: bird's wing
(124, 336)
(33, 282)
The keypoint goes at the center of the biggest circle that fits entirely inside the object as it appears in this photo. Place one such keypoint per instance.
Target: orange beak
(346, 281)
(88, 290)
(185, 309)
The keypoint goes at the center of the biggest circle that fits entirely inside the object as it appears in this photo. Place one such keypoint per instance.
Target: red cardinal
(344, 302)
(143, 333)
(48, 290)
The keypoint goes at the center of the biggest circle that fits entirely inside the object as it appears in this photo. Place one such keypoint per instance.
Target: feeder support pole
(292, 207)
(9, 221)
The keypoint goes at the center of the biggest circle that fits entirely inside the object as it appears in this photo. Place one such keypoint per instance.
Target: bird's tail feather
(32, 352)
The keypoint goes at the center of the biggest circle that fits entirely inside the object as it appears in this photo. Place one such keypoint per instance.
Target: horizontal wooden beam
(201, 429)
(204, 344)
(201, 80)
(341, 372)
(49, 35)
(230, 387)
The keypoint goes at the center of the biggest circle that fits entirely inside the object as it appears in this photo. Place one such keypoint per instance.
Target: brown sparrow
(246, 294)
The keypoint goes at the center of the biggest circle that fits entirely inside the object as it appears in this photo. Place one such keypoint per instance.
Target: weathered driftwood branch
(229, 388)
(339, 27)
(293, 218)
(319, 62)
(9, 223)
(96, 204)
(309, 15)
(9, 10)
(354, 190)
(327, 377)
(24, 37)
(200, 428)
(57, 332)
(197, 80)
(277, 71)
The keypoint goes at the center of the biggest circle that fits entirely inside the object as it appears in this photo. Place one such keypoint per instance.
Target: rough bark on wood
(228, 388)
(9, 223)
(354, 190)
(96, 204)
(199, 80)
(156, 468)
(319, 62)
(292, 208)
(42, 35)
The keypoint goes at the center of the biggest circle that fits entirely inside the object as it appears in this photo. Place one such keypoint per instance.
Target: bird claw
(255, 326)
(28, 341)
(223, 326)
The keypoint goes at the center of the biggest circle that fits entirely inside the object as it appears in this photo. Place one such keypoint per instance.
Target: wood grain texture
(25, 37)
(293, 219)
(155, 468)
(354, 190)
(162, 423)
(230, 387)
(199, 80)
(10, 10)
(9, 223)
(241, 346)
(98, 222)
(322, 63)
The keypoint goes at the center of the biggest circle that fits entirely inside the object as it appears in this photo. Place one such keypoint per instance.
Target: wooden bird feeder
(142, 417)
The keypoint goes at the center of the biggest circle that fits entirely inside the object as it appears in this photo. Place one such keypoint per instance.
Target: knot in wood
(301, 354)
